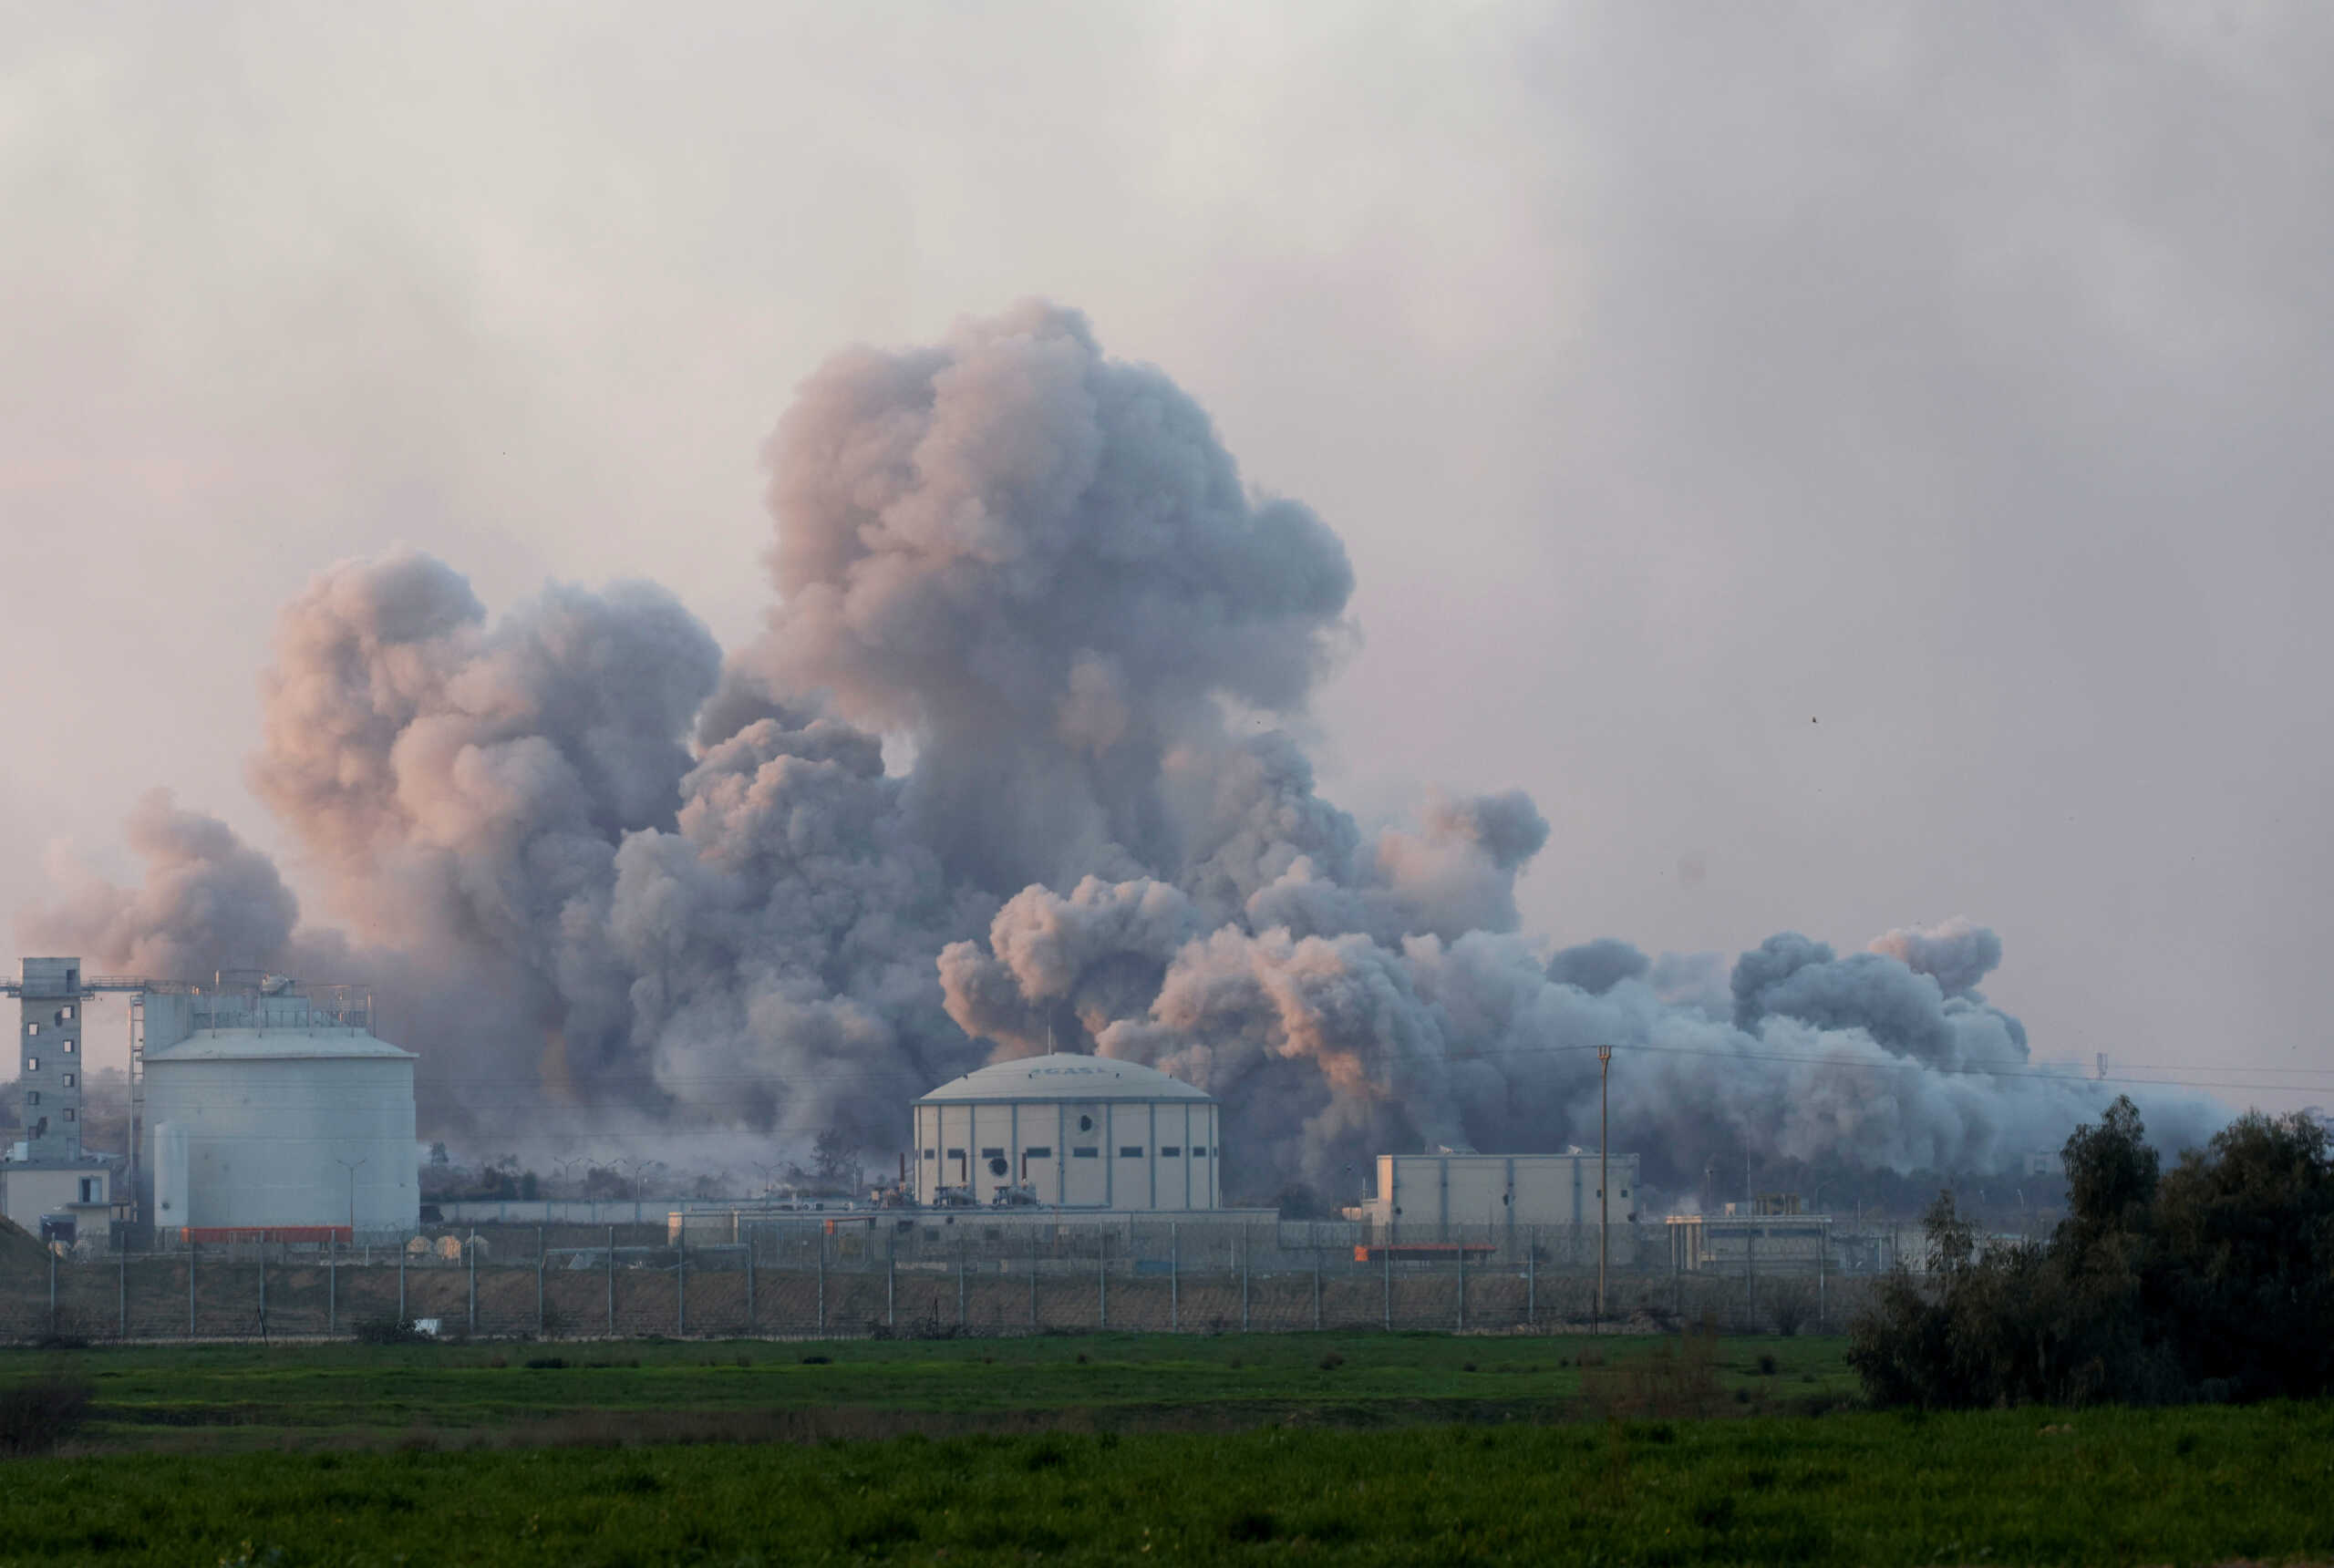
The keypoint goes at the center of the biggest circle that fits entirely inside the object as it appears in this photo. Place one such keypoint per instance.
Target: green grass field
(1402, 1450)
(210, 1398)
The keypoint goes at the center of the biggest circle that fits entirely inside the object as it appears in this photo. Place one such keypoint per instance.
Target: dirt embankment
(19, 1249)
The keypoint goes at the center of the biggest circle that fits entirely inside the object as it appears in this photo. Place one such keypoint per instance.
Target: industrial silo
(273, 1109)
(1069, 1131)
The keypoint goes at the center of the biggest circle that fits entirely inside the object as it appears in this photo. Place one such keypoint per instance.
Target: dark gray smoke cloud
(1598, 966)
(606, 878)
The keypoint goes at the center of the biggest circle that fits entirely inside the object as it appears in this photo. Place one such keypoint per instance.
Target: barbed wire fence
(918, 1275)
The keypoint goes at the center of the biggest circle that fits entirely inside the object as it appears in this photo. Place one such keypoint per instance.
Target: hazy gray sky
(1854, 465)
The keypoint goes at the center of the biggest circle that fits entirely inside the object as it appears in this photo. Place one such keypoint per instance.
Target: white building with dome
(1069, 1131)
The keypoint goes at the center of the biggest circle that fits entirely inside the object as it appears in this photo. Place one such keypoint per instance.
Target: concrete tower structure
(48, 1060)
(47, 1181)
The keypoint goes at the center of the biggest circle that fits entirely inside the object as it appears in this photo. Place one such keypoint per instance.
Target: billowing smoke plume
(606, 878)
(206, 895)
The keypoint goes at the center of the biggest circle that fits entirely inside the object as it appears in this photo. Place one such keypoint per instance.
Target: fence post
(681, 1285)
(190, 1289)
(1750, 1278)
(1317, 1288)
(1386, 1256)
(1462, 1281)
(543, 1262)
(892, 1283)
(52, 1287)
(1102, 1272)
(263, 1291)
(1174, 1281)
(612, 1282)
(753, 1321)
(123, 1307)
(332, 1285)
(1822, 1236)
(960, 1279)
(1244, 1276)
(401, 1317)
(1532, 1276)
(821, 1241)
(472, 1250)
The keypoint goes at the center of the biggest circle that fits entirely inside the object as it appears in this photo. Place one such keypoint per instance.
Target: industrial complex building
(261, 1109)
(1771, 1233)
(1424, 1195)
(1068, 1132)
(255, 1105)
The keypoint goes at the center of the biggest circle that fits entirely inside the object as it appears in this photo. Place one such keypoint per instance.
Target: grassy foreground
(212, 1398)
(2194, 1485)
(1353, 1447)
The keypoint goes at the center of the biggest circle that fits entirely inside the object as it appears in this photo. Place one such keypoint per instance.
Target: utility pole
(1603, 1170)
(562, 1167)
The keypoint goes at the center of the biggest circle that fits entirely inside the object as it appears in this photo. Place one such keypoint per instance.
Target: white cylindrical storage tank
(1069, 1131)
(280, 1127)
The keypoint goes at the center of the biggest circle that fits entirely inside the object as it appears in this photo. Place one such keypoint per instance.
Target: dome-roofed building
(1069, 1131)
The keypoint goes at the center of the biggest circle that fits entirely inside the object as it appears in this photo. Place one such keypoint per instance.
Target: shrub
(36, 1416)
(388, 1331)
(1678, 1378)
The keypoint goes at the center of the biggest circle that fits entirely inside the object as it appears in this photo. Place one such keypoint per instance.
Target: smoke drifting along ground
(607, 880)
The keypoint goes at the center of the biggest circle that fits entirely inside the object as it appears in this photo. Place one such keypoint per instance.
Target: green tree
(2247, 1227)
(2111, 1174)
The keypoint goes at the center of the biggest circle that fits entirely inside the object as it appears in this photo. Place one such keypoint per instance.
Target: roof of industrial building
(268, 1044)
(1064, 1076)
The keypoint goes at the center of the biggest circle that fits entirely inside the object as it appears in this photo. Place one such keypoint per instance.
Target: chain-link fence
(922, 1275)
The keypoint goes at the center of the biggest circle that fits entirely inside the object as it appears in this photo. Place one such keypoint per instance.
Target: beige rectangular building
(1420, 1196)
